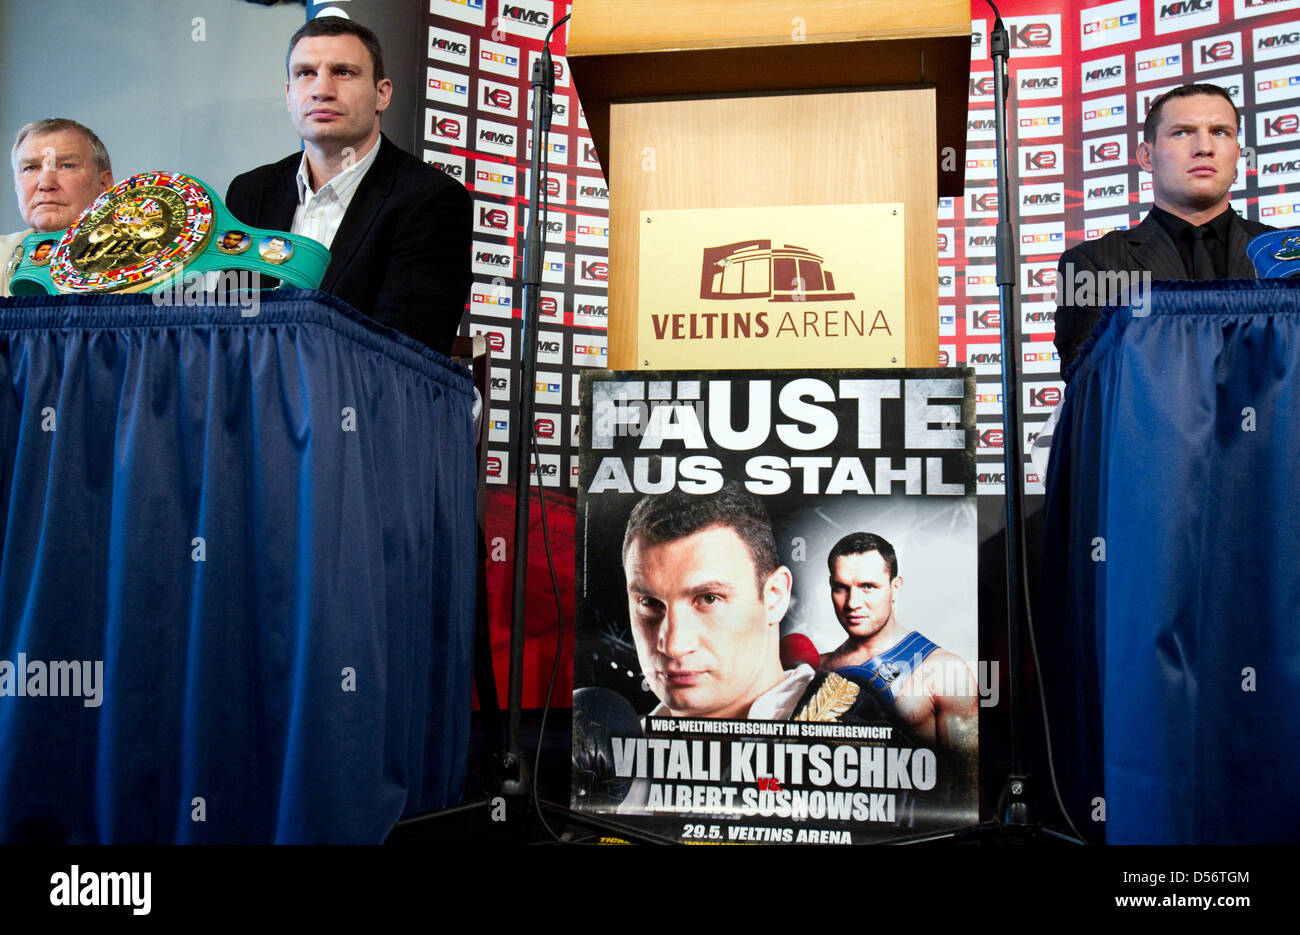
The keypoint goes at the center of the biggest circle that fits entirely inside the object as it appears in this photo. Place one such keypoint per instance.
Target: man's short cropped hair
(58, 125)
(661, 518)
(860, 543)
(1152, 123)
(338, 26)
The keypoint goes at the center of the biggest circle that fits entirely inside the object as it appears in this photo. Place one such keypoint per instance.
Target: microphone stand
(510, 774)
(514, 765)
(1014, 812)
(1013, 803)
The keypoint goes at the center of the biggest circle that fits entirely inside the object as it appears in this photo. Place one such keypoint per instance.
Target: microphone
(1276, 254)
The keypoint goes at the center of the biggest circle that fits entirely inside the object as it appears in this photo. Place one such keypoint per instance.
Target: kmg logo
(449, 46)
(519, 15)
(1099, 74)
(1183, 7)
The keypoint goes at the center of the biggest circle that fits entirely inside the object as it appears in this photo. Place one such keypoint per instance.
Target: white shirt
(8, 244)
(319, 214)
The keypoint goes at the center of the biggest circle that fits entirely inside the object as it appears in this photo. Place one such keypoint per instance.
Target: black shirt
(1216, 239)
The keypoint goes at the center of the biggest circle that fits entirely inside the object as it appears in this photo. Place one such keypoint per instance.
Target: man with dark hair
(706, 595)
(930, 689)
(398, 230)
(1190, 148)
(59, 168)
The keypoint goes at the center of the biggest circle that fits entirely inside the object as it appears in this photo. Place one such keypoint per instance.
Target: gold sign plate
(134, 235)
(806, 286)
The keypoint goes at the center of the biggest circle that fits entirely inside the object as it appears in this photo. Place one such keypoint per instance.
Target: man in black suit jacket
(1190, 148)
(398, 230)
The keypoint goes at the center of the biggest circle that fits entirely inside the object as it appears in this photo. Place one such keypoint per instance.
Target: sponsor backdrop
(476, 125)
(1083, 74)
(1082, 77)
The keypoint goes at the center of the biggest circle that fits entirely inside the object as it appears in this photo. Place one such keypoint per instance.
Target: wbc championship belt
(1276, 254)
(151, 229)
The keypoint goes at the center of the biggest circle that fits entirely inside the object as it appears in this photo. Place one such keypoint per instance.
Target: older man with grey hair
(59, 167)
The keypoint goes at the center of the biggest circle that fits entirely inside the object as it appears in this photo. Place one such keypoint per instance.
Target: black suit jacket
(402, 252)
(1145, 248)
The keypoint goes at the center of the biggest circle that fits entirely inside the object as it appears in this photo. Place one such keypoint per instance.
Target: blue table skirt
(256, 537)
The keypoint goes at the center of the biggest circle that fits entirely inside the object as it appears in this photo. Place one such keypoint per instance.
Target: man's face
(56, 178)
(863, 593)
(332, 96)
(706, 633)
(1193, 159)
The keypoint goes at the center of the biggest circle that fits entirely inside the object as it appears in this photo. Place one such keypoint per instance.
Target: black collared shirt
(1216, 240)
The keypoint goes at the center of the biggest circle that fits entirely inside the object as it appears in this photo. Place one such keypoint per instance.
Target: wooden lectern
(748, 103)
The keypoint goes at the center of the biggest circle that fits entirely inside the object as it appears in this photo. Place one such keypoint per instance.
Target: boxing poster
(776, 604)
